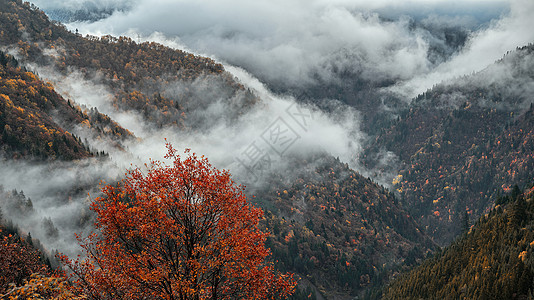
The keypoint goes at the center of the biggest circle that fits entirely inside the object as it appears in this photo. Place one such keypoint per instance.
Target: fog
(483, 48)
(509, 83)
(314, 130)
(277, 128)
(60, 192)
(296, 43)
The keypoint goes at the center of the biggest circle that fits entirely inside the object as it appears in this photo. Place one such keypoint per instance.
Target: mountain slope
(338, 230)
(139, 75)
(35, 120)
(25, 117)
(462, 143)
(493, 261)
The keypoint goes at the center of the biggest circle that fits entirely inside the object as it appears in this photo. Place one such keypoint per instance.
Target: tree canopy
(492, 260)
(183, 231)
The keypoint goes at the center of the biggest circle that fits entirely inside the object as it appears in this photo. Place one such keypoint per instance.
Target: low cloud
(483, 48)
(222, 134)
(58, 191)
(294, 43)
(302, 130)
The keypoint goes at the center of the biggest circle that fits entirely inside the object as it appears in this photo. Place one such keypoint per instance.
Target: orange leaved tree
(183, 231)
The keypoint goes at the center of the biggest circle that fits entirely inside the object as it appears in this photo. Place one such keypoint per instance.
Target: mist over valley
(372, 135)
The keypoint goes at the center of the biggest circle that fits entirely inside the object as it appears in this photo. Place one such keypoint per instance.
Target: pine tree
(465, 222)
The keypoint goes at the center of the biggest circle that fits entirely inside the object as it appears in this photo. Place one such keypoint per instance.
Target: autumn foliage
(38, 287)
(183, 231)
(18, 260)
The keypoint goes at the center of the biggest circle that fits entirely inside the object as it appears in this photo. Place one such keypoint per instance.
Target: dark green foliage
(494, 261)
(465, 222)
(305, 293)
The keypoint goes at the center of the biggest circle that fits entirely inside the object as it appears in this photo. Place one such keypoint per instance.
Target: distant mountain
(462, 143)
(83, 11)
(348, 76)
(85, 14)
(494, 260)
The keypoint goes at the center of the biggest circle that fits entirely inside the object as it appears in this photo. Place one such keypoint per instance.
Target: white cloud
(292, 42)
(52, 187)
(483, 48)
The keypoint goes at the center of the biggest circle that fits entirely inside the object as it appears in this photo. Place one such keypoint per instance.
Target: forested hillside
(339, 230)
(463, 143)
(34, 119)
(137, 74)
(27, 129)
(492, 260)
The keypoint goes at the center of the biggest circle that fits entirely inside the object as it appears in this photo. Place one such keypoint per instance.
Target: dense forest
(491, 260)
(27, 129)
(462, 143)
(34, 118)
(339, 230)
(136, 73)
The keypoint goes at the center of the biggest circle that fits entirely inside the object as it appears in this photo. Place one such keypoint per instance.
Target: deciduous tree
(183, 231)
